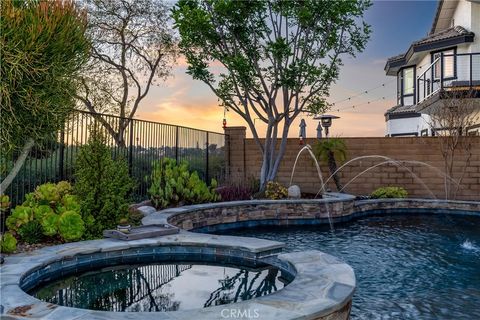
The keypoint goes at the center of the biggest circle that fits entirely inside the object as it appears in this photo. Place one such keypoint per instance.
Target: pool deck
(322, 285)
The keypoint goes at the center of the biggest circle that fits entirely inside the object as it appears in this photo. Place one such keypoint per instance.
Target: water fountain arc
(319, 171)
(394, 163)
(398, 163)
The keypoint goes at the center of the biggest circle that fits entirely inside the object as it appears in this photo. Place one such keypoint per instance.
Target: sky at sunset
(184, 101)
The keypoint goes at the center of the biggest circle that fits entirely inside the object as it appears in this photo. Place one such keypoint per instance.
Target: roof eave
(426, 47)
(437, 15)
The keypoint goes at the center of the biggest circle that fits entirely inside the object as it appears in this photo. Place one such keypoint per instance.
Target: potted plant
(124, 226)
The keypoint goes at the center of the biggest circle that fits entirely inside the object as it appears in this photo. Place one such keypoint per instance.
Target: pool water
(407, 267)
(160, 287)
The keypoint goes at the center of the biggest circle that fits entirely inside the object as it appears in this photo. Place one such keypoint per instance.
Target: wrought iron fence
(139, 142)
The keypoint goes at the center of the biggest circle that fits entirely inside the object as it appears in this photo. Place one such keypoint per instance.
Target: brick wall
(245, 162)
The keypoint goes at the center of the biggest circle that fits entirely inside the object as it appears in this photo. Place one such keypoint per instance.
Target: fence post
(130, 149)
(61, 151)
(176, 145)
(206, 162)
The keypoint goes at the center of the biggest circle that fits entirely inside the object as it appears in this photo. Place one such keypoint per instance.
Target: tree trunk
(271, 159)
(332, 166)
(17, 166)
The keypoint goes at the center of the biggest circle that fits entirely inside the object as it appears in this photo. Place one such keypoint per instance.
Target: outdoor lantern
(303, 130)
(326, 121)
(319, 131)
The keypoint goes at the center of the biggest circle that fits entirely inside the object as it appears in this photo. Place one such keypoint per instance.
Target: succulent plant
(21, 215)
(8, 243)
(31, 232)
(50, 224)
(275, 191)
(40, 211)
(47, 193)
(39, 215)
(173, 184)
(69, 202)
(4, 203)
(389, 192)
(71, 226)
(63, 188)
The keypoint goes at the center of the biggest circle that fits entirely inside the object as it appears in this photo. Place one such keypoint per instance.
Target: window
(406, 86)
(448, 64)
(408, 81)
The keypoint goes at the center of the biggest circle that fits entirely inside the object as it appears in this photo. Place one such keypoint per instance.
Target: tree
(329, 151)
(450, 120)
(278, 58)
(133, 47)
(102, 183)
(43, 46)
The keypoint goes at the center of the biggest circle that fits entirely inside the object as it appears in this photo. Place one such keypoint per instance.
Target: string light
(360, 104)
(363, 92)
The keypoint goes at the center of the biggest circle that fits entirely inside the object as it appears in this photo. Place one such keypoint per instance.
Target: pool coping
(343, 208)
(322, 284)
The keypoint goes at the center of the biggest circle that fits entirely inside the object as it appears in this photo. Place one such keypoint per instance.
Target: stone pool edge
(214, 217)
(308, 296)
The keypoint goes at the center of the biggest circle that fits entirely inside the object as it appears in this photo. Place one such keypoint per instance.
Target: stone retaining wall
(212, 217)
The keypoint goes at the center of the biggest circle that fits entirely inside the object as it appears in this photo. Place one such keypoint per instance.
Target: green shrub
(4, 203)
(20, 216)
(69, 202)
(389, 192)
(173, 184)
(71, 226)
(39, 215)
(47, 193)
(64, 188)
(31, 232)
(275, 191)
(40, 211)
(8, 243)
(102, 184)
(50, 224)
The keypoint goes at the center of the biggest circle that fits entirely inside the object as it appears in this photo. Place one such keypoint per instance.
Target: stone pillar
(236, 152)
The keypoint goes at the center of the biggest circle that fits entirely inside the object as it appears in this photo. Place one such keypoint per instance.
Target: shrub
(8, 243)
(47, 193)
(389, 192)
(50, 224)
(40, 211)
(102, 184)
(275, 191)
(20, 216)
(71, 226)
(39, 215)
(174, 184)
(4, 203)
(31, 232)
(234, 193)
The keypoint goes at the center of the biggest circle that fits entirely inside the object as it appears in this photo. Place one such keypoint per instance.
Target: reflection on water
(160, 287)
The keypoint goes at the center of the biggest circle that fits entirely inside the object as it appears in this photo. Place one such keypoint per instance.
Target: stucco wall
(245, 162)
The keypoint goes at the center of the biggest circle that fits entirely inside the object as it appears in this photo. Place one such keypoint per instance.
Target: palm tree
(330, 151)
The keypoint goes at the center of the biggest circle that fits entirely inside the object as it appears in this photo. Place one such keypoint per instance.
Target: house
(446, 61)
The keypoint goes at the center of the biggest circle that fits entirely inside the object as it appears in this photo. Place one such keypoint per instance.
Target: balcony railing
(449, 72)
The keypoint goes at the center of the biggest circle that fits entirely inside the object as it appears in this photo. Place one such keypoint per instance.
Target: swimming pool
(407, 266)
